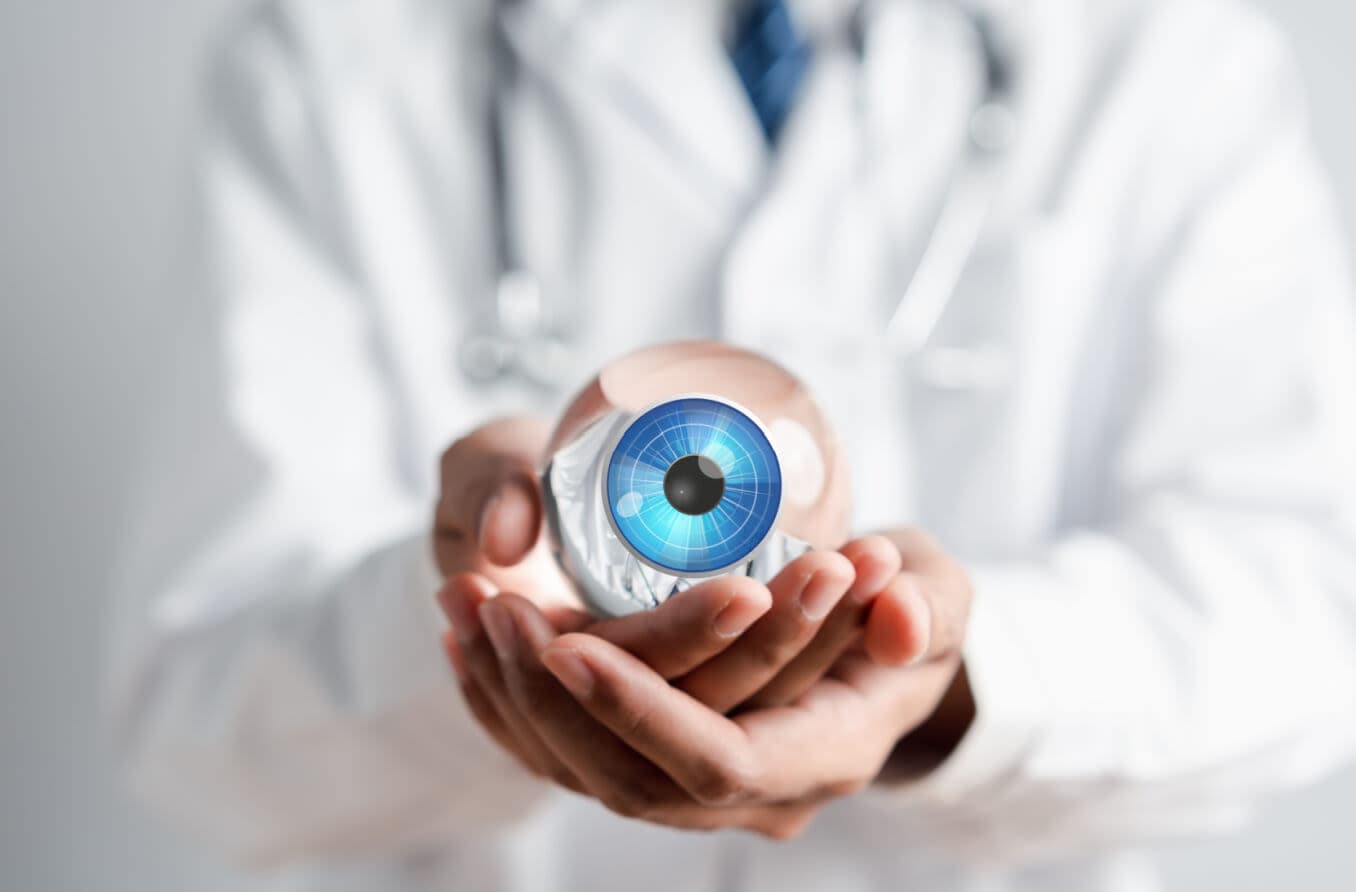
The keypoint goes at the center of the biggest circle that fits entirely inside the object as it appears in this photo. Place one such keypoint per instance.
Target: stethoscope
(519, 339)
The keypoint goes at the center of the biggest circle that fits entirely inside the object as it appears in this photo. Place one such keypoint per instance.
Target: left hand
(650, 750)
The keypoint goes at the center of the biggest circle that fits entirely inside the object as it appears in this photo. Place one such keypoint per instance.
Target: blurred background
(95, 112)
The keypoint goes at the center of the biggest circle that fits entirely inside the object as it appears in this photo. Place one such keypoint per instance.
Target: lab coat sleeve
(1162, 671)
(277, 683)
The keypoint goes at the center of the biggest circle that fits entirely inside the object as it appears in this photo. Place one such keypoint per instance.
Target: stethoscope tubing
(992, 125)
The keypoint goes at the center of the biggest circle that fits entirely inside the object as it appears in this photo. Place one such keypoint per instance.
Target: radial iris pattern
(715, 509)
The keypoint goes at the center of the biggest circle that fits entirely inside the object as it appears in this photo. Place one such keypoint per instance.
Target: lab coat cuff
(1010, 704)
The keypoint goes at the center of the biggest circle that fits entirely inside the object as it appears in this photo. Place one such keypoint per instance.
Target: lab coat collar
(673, 83)
(808, 13)
(676, 82)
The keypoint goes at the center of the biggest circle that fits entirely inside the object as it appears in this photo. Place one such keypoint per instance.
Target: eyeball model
(740, 477)
(693, 486)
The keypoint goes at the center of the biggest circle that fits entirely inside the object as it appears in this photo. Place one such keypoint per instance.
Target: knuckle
(783, 829)
(796, 826)
(838, 566)
(780, 831)
(723, 782)
(631, 718)
(845, 788)
(636, 717)
(634, 800)
(770, 653)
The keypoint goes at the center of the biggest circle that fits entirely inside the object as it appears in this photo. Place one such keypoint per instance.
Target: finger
(490, 497)
(463, 597)
(899, 629)
(776, 821)
(781, 821)
(918, 549)
(510, 520)
(875, 561)
(691, 627)
(836, 736)
(489, 718)
(931, 706)
(605, 766)
(563, 616)
(453, 651)
(704, 752)
(922, 613)
(460, 598)
(481, 707)
(803, 594)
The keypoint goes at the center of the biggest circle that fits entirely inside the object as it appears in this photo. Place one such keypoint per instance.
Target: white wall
(93, 98)
(93, 104)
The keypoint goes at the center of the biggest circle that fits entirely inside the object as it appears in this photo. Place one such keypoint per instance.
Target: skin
(735, 704)
(660, 372)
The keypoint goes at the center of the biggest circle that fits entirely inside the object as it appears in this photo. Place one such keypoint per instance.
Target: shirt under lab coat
(1133, 422)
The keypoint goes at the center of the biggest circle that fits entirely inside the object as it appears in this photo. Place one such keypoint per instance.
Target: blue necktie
(771, 59)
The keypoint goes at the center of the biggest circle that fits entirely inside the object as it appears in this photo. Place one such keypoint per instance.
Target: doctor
(1065, 275)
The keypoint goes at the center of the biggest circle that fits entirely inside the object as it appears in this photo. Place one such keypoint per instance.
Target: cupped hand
(641, 727)
(729, 641)
(773, 642)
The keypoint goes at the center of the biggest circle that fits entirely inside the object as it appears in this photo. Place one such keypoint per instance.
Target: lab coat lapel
(866, 160)
(662, 66)
(800, 253)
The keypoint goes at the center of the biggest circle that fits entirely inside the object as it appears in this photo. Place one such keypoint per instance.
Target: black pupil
(694, 484)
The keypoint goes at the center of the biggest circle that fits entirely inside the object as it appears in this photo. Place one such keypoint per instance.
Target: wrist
(924, 748)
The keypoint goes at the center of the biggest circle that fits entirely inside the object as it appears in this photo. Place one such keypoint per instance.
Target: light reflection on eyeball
(693, 486)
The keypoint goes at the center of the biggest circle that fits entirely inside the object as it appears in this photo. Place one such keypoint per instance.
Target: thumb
(490, 498)
(509, 520)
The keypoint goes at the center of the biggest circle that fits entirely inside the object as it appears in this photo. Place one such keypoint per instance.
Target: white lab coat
(1133, 422)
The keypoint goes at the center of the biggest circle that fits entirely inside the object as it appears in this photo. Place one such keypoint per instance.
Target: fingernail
(508, 522)
(821, 592)
(499, 625)
(920, 614)
(483, 522)
(569, 669)
(735, 618)
(870, 579)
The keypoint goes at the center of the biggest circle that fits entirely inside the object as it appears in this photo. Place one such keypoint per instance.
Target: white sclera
(629, 504)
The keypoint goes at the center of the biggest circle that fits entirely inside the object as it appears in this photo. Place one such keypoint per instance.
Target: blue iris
(729, 494)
